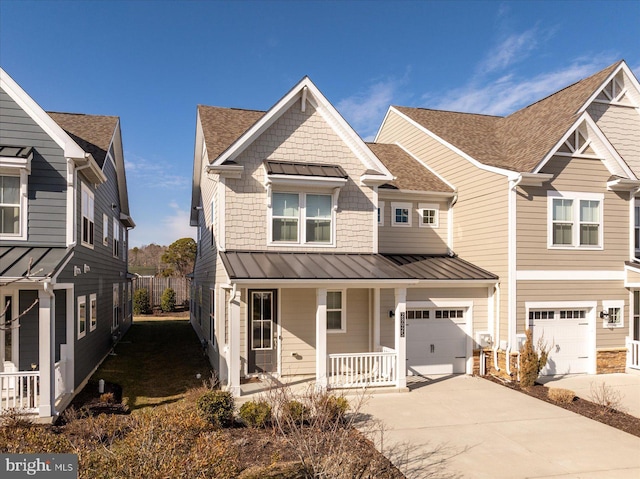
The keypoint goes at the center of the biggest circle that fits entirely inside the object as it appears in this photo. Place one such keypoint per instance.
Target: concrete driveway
(626, 386)
(468, 427)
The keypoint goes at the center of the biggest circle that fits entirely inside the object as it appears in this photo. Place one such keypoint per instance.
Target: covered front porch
(320, 316)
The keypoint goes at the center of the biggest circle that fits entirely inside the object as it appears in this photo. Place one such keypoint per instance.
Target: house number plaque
(403, 319)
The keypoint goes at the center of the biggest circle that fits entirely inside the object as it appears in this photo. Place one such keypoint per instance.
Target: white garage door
(566, 331)
(436, 341)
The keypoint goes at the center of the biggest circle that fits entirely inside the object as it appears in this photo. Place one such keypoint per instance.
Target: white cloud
(152, 174)
(365, 110)
(515, 48)
(162, 230)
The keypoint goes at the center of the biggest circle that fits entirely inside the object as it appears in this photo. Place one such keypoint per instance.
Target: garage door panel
(436, 346)
(568, 339)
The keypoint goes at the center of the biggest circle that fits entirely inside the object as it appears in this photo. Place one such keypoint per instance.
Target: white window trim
(23, 173)
(84, 188)
(611, 304)
(575, 241)
(381, 213)
(404, 206)
(93, 299)
(105, 229)
(116, 238)
(302, 221)
(343, 309)
(429, 206)
(82, 300)
(115, 305)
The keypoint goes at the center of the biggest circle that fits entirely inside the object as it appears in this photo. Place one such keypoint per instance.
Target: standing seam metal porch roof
(45, 261)
(265, 265)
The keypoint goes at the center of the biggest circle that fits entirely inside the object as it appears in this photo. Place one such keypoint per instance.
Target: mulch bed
(620, 420)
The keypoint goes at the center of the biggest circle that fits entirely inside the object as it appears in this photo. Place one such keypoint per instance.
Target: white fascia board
(374, 180)
(226, 171)
(198, 156)
(470, 159)
(630, 76)
(384, 120)
(434, 172)
(43, 120)
(623, 184)
(533, 179)
(585, 117)
(570, 275)
(389, 193)
(311, 181)
(7, 162)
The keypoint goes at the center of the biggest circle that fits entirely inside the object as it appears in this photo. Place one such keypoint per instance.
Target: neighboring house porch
(346, 320)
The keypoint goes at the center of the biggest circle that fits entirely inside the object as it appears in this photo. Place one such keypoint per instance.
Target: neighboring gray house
(64, 219)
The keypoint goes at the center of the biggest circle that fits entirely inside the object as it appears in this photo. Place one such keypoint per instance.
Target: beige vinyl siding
(572, 291)
(621, 126)
(356, 337)
(477, 296)
(298, 322)
(480, 216)
(577, 176)
(300, 137)
(415, 239)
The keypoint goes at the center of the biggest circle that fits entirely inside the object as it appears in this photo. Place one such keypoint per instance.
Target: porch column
(376, 319)
(46, 348)
(234, 344)
(321, 338)
(400, 336)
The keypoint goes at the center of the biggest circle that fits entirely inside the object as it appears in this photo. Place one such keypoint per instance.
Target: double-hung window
(93, 312)
(10, 205)
(116, 238)
(302, 218)
(82, 316)
(336, 321)
(575, 220)
(87, 226)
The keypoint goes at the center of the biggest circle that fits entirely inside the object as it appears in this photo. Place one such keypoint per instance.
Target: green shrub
(168, 300)
(295, 412)
(335, 407)
(255, 413)
(141, 303)
(217, 407)
(531, 360)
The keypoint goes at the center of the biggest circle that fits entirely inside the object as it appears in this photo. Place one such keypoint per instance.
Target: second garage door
(436, 341)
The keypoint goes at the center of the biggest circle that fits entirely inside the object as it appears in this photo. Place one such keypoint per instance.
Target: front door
(263, 357)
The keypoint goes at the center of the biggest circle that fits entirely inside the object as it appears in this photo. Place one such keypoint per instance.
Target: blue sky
(152, 62)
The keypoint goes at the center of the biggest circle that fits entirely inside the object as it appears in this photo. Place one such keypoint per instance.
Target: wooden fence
(156, 287)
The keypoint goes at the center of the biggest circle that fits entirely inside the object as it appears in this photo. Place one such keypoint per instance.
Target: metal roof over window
(304, 169)
(15, 151)
(264, 265)
(15, 260)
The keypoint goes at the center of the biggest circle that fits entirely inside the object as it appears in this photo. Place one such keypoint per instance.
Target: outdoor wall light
(392, 314)
(604, 315)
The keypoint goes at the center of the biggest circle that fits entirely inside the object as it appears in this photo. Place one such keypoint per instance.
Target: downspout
(496, 341)
(511, 271)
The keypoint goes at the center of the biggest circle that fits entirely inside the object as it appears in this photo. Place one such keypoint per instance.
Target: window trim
(82, 331)
(403, 206)
(380, 213)
(93, 308)
(91, 198)
(436, 216)
(116, 238)
(302, 220)
(115, 305)
(105, 229)
(576, 198)
(343, 311)
(608, 305)
(21, 172)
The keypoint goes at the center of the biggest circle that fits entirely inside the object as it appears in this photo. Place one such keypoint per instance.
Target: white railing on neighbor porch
(61, 385)
(20, 390)
(363, 369)
(633, 354)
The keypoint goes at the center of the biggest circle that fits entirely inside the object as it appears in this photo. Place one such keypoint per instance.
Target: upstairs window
(105, 230)
(380, 213)
(116, 238)
(302, 218)
(575, 220)
(428, 215)
(10, 207)
(636, 210)
(87, 216)
(401, 214)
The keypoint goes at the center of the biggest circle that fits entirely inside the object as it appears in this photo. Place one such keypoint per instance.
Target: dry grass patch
(560, 395)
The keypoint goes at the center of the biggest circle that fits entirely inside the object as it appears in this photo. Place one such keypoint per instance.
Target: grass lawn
(156, 362)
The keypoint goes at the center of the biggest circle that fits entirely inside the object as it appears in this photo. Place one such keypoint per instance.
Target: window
(335, 312)
(10, 205)
(637, 228)
(116, 238)
(380, 213)
(449, 313)
(575, 220)
(428, 215)
(636, 315)
(116, 308)
(105, 230)
(93, 312)
(612, 314)
(401, 214)
(541, 314)
(299, 215)
(87, 216)
(417, 314)
(82, 316)
(212, 314)
(213, 222)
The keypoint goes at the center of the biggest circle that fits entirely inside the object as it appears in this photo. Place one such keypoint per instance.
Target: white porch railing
(20, 390)
(633, 354)
(363, 369)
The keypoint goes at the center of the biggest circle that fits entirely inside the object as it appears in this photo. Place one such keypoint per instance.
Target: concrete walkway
(625, 386)
(468, 427)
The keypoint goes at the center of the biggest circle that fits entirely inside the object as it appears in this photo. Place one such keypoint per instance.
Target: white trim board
(569, 275)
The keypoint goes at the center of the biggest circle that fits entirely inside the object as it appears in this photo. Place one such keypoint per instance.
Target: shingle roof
(93, 133)
(222, 126)
(519, 141)
(263, 265)
(409, 173)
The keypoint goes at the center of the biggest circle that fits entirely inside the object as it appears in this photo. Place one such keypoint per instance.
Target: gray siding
(47, 182)
(28, 331)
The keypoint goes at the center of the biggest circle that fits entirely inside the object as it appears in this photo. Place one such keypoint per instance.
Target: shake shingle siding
(47, 186)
